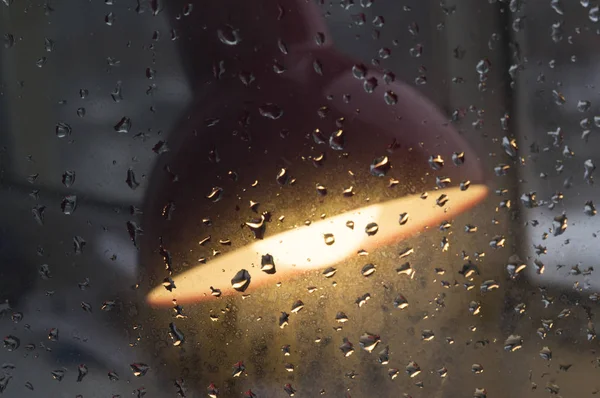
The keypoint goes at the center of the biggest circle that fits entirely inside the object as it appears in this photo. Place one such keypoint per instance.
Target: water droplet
(78, 244)
(69, 204)
(559, 224)
(213, 391)
(9, 40)
(489, 285)
(557, 6)
(109, 19)
(513, 343)
(370, 84)
(559, 98)
(16, 317)
(169, 284)
(87, 307)
(474, 307)
(68, 178)
(320, 38)
(318, 160)
(546, 353)
(337, 140)
(341, 317)
(329, 239)
(53, 334)
(589, 168)
(241, 280)
(176, 335)
(123, 126)
(134, 232)
(139, 369)
(427, 335)
(321, 190)
(483, 66)
(282, 177)
(400, 302)
(82, 372)
(497, 242)
(282, 47)
(58, 374)
(594, 14)
(318, 137)
(369, 341)
(458, 158)
(297, 306)
(470, 228)
(390, 98)
(477, 368)
(371, 229)
(413, 369)
(380, 166)
(44, 271)
(480, 393)
(442, 182)
(347, 347)
(150, 73)
(289, 390)
(250, 394)
(510, 146)
(238, 369)
(406, 269)
(393, 373)
(270, 111)
(11, 342)
(378, 21)
(589, 208)
(131, 179)
(584, 105)
(267, 264)
(362, 300)
(215, 194)
(229, 36)
(284, 319)
(117, 93)
(529, 200)
(515, 268)
(501, 169)
(368, 269)
(384, 356)
(318, 67)
(63, 129)
(436, 162)
(257, 226)
(442, 200)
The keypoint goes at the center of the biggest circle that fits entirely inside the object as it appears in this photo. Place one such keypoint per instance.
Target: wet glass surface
(352, 198)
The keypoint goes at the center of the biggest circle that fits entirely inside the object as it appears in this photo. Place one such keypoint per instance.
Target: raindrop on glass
(241, 280)
(229, 36)
(63, 129)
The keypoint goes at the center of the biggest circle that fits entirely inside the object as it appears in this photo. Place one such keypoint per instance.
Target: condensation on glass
(298, 198)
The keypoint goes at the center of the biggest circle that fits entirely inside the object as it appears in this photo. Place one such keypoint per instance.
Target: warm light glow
(305, 248)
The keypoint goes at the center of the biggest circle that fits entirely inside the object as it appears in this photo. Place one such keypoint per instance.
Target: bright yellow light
(306, 247)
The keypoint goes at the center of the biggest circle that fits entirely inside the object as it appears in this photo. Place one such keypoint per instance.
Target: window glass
(347, 198)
